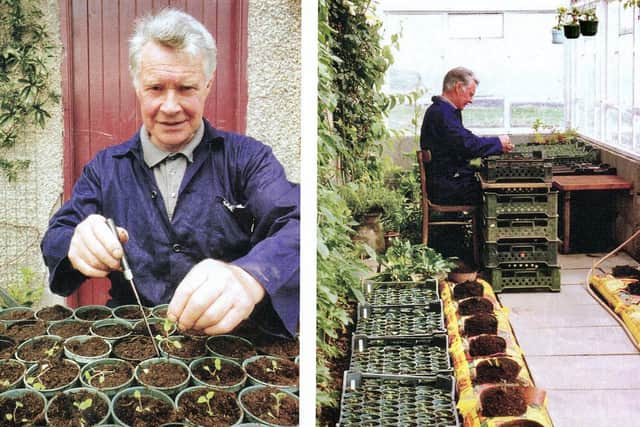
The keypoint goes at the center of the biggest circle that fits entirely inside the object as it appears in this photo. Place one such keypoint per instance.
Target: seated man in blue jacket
(210, 221)
(450, 178)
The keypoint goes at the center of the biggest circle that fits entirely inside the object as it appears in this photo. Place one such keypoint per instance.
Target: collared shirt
(228, 170)
(169, 167)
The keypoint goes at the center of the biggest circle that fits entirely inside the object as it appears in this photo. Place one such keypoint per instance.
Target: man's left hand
(214, 297)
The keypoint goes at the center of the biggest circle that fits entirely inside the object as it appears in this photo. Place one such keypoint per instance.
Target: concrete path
(576, 351)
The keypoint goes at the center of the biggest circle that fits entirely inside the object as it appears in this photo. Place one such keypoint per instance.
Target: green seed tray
(519, 251)
(372, 400)
(561, 154)
(520, 225)
(499, 203)
(517, 167)
(401, 293)
(525, 276)
(400, 320)
(401, 356)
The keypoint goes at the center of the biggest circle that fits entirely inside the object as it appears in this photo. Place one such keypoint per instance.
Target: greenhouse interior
(512, 301)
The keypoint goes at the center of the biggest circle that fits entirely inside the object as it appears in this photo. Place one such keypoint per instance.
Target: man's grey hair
(175, 29)
(458, 75)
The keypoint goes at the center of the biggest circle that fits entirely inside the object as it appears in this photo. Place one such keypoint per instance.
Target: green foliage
(84, 405)
(561, 14)
(25, 77)
(406, 182)
(404, 262)
(27, 291)
(366, 198)
(206, 398)
(276, 406)
(549, 134)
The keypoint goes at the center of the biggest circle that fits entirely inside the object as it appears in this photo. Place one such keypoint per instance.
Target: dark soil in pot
(70, 328)
(480, 324)
(189, 348)
(32, 407)
(228, 374)
(93, 314)
(108, 376)
(503, 401)
(218, 410)
(280, 372)
(131, 313)
(163, 374)
(153, 412)
(288, 349)
(54, 373)
(497, 370)
(55, 312)
(486, 345)
(7, 348)
(92, 347)
(134, 348)
(112, 331)
(156, 328)
(468, 289)
(22, 331)
(10, 372)
(475, 305)
(17, 315)
(45, 348)
(261, 403)
(625, 271)
(64, 411)
(230, 347)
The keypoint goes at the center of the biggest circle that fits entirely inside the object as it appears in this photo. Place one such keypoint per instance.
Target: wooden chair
(424, 157)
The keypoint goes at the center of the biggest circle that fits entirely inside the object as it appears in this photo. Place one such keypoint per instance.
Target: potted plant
(269, 405)
(164, 374)
(107, 375)
(272, 371)
(572, 28)
(86, 406)
(11, 374)
(22, 407)
(17, 313)
(111, 329)
(54, 313)
(589, 22)
(231, 347)
(92, 313)
(557, 33)
(22, 330)
(219, 373)
(134, 348)
(7, 347)
(131, 312)
(207, 406)
(52, 376)
(185, 347)
(143, 406)
(69, 328)
(39, 348)
(86, 348)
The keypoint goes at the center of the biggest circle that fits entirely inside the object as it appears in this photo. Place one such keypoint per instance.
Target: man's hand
(94, 250)
(507, 145)
(214, 297)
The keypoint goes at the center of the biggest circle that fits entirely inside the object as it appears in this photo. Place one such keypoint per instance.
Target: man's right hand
(507, 145)
(94, 250)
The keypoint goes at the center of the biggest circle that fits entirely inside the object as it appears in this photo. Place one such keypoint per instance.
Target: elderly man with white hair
(208, 219)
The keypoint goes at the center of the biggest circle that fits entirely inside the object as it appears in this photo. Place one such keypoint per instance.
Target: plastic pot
(7, 314)
(572, 31)
(119, 311)
(144, 391)
(159, 311)
(224, 364)
(51, 346)
(55, 328)
(203, 391)
(217, 346)
(96, 395)
(254, 418)
(62, 313)
(92, 313)
(167, 350)
(588, 28)
(557, 36)
(18, 394)
(81, 359)
(31, 380)
(148, 364)
(91, 371)
(257, 381)
(15, 366)
(95, 329)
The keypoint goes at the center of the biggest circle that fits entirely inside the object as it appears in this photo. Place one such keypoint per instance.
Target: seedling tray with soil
(7, 347)
(401, 356)
(209, 407)
(409, 321)
(269, 405)
(401, 293)
(130, 313)
(112, 329)
(39, 348)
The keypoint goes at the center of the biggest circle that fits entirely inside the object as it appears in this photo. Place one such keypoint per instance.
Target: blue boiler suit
(450, 178)
(228, 169)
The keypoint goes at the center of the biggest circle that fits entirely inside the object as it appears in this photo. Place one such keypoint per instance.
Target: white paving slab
(559, 314)
(594, 408)
(569, 294)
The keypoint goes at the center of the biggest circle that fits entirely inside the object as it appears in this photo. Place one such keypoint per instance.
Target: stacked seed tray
(520, 223)
(567, 154)
(400, 373)
(493, 381)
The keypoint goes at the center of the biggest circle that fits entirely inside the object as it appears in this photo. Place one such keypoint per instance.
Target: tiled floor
(577, 352)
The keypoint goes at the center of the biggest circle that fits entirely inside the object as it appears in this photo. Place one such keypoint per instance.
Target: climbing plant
(25, 76)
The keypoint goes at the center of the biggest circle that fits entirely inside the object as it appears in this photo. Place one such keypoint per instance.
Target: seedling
(274, 366)
(140, 407)
(206, 399)
(83, 406)
(53, 350)
(276, 407)
(100, 374)
(217, 367)
(5, 383)
(35, 381)
(12, 417)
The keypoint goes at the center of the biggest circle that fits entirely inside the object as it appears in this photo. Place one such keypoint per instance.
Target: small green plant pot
(159, 311)
(52, 342)
(97, 395)
(170, 391)
(18, 393)
(143, 391)
(92, 313)
(81, 359)
(256, 381)
(48, 392)
(165, 343)
(15, 367)
(7, 347)
(95, 329)
(203, 390)
(120, 310)
(251, 417)
(6, 314)
(217, 346)
(54, 327)
(225, 364)
(64, 312)
(154, 323)
(93, 368)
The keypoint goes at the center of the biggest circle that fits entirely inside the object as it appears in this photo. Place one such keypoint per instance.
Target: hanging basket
(572, 31)
(588, 28)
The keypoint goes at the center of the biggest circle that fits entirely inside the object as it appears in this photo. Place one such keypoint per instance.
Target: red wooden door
(100, 107)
